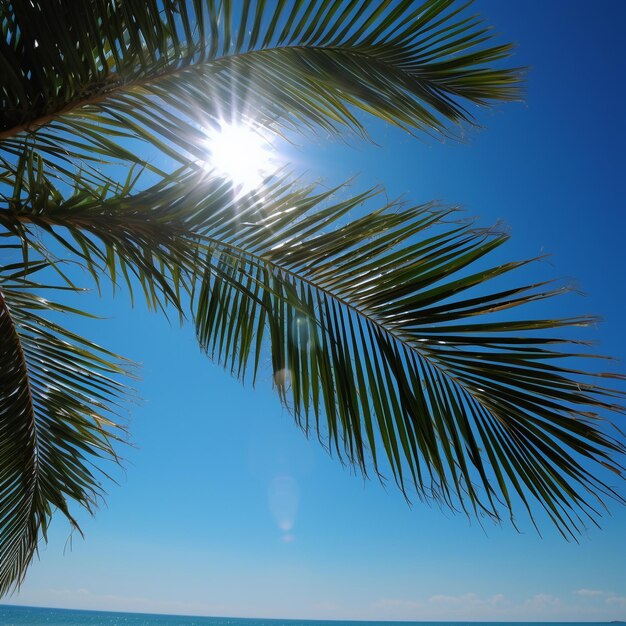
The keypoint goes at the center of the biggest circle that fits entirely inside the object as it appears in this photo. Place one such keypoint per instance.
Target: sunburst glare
(240, 153)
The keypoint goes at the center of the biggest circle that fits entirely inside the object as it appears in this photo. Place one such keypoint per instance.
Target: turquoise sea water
(32, 616)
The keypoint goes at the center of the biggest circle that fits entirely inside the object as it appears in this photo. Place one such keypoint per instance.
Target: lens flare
(240, 153)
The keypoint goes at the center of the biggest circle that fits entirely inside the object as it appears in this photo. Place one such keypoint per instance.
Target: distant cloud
(444, 606)
(544, 602)
(609, 597)
(582, 604)
(89, 600)
(396, 603)
(590, 604)
(590, 593)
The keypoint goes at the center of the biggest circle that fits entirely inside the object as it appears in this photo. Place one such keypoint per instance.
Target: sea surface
(34, 616)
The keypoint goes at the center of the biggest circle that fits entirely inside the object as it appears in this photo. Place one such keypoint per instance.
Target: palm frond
(378, 343)
(376, 334)
(139, 240)
(59, 395)
(91, 77)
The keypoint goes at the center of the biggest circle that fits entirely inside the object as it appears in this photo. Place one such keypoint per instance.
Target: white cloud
(608, 597)
(443, 606)
(327, 607)
(590, 593)
(582, 604)
(89, 600)
(384, 603)
(589, 604)
(544, 603)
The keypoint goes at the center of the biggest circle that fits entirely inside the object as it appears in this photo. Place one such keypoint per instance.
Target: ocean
(35, 616)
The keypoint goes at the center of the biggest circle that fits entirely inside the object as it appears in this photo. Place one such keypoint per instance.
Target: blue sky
(226, 509)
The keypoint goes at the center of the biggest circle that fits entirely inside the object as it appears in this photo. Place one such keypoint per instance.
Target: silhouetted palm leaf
(376, 331)
(162, 73)
(57, 404)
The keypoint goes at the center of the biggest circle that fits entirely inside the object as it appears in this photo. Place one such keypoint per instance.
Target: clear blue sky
(226, 509)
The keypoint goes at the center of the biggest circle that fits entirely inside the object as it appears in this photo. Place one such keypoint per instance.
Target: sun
(240, 153)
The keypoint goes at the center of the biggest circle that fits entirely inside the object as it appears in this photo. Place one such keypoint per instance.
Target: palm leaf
(142, 242)
(91, 77)
(375, 332)
(58, 398)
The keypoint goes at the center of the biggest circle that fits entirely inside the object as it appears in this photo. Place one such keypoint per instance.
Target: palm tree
(397, 351)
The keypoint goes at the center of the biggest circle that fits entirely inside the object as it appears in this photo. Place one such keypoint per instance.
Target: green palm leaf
(109, 70)
(58, 402)
(376, 334)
